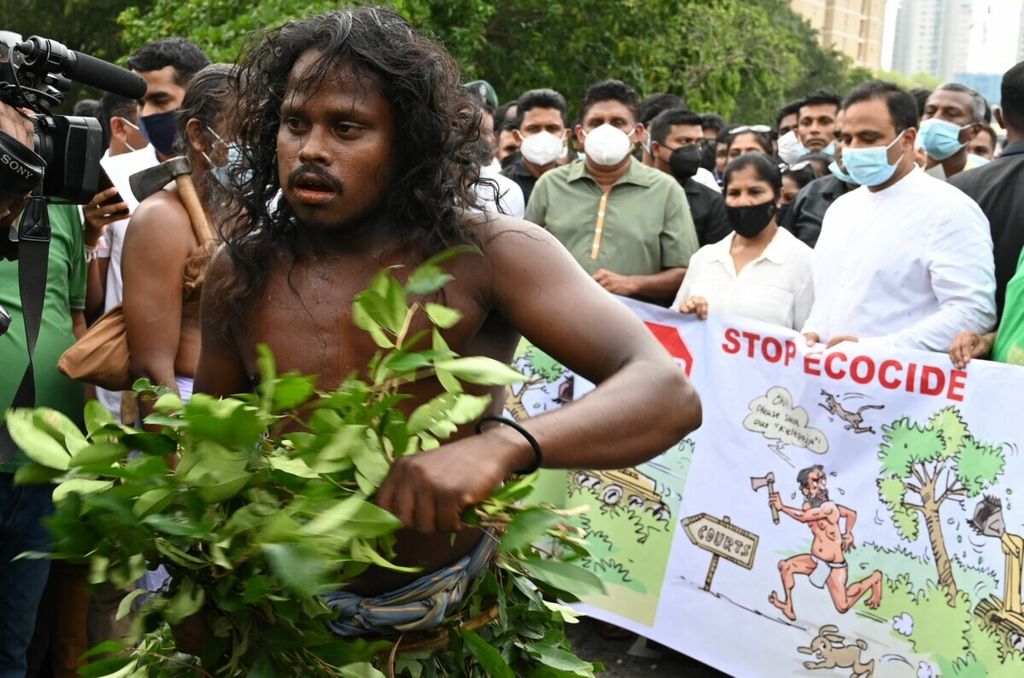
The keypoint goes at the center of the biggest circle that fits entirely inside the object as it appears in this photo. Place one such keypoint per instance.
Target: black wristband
(538, 457)
(20, 167)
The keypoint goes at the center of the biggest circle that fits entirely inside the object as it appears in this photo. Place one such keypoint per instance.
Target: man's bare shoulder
(160, 218)
(501, 235)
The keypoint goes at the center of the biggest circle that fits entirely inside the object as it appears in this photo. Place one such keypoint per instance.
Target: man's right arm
(221, 371)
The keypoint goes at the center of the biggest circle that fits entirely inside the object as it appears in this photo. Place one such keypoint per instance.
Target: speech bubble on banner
(774, 416)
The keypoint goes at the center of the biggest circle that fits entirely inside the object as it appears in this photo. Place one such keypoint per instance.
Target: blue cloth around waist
(419, 605)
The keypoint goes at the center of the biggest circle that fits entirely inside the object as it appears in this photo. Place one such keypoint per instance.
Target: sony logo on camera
(15, 166)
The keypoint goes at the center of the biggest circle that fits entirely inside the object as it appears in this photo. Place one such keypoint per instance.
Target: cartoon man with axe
(825, 566)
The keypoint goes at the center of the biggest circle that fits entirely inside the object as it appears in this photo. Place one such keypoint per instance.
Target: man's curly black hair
(433, 168)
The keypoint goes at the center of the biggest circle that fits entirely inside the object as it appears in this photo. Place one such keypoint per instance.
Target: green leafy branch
(257, 504)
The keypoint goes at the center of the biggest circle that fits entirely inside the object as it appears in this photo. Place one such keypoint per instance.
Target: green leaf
(185, 603)
(266, 366)
(299, 567)
(364, 322)
(360, 670)
(564, 576)
(101, 453)
(357, 515)
(108, 668)
(60, 427)
(168, 402)
(153, 501)
(293, 466)
(481, 370)
(81, 486)
(427, 279)
(107, 646)
(97, 416)
(37, 445)
(559, 659)
(527, 527)
(442, 316)
(364, 553)
(493, 664)
(35, 474)
(293, 390)
(124, 608)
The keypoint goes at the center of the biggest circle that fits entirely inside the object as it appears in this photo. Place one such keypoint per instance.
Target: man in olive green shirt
(627, 225)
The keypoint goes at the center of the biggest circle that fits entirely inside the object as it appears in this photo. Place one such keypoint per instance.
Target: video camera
(65, 163)
(35, 74)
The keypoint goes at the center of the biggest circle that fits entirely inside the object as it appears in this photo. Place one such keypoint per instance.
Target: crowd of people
(345, 143)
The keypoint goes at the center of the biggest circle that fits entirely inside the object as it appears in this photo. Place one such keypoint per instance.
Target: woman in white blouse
(759, 271)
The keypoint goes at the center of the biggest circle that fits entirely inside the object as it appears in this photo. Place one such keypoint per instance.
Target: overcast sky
(995, 28)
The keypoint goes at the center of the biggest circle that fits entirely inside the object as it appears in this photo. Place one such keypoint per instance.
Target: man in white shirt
(905, 260)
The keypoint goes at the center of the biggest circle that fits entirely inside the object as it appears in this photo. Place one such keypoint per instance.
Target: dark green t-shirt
(65, 290)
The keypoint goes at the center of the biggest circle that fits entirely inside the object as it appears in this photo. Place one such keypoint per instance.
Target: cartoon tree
(540, 368)
(923, 467)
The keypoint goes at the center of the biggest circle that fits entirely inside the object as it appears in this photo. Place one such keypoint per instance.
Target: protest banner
(909, 566)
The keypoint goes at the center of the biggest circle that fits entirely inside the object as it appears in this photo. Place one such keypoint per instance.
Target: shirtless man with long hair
(357, 122)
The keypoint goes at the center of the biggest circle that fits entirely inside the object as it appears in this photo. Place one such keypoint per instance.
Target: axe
(179, 170)
(769, 482)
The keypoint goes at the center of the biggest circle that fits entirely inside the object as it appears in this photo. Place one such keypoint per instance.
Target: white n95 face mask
(790, 148)
(607, 145)
(542, 148)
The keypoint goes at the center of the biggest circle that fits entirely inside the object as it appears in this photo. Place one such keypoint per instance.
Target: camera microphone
(42, 54)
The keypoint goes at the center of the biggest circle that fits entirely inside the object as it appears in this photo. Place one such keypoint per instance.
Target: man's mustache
(320, 173)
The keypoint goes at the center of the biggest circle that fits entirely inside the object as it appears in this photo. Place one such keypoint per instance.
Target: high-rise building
(932, 36)
(853, 27)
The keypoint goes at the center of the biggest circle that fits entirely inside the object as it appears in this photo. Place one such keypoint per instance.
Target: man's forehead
(610, 108)
(870, 113)
(314, 74)
(693, 130)
(819, 109)
(943, 98)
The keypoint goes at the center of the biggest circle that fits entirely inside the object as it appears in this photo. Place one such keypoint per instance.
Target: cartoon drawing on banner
(544, 388)
(1003, 616)
(825, 566)
(774, 416)
(624, 488)
(925, 468)
(853, 418)
(723, 540)
(832, 652)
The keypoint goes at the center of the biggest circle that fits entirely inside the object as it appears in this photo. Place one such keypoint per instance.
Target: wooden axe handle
(775, 511)
(196, 215)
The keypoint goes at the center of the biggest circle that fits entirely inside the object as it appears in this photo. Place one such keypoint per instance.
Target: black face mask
(750, 220)
(684, 162)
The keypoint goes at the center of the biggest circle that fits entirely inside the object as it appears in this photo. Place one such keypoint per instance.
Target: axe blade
(152, 179)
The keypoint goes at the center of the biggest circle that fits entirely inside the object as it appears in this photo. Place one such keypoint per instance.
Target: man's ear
(909, 139)
(117, 129)
(580, 136)
(194, 135)
(999, 118)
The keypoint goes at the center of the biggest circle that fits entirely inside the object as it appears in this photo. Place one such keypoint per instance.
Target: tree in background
(923, 467)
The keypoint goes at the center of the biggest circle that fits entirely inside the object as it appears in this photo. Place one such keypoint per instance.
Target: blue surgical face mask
(222, 173)
(838, 173)
(161, 129)
(870, 166)
(940, 138)
(830, 149)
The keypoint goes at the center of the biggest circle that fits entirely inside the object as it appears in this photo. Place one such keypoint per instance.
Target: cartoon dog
(853, 419)
(830, 648)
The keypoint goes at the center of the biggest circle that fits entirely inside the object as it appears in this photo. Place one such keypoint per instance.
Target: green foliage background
(739, 58)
